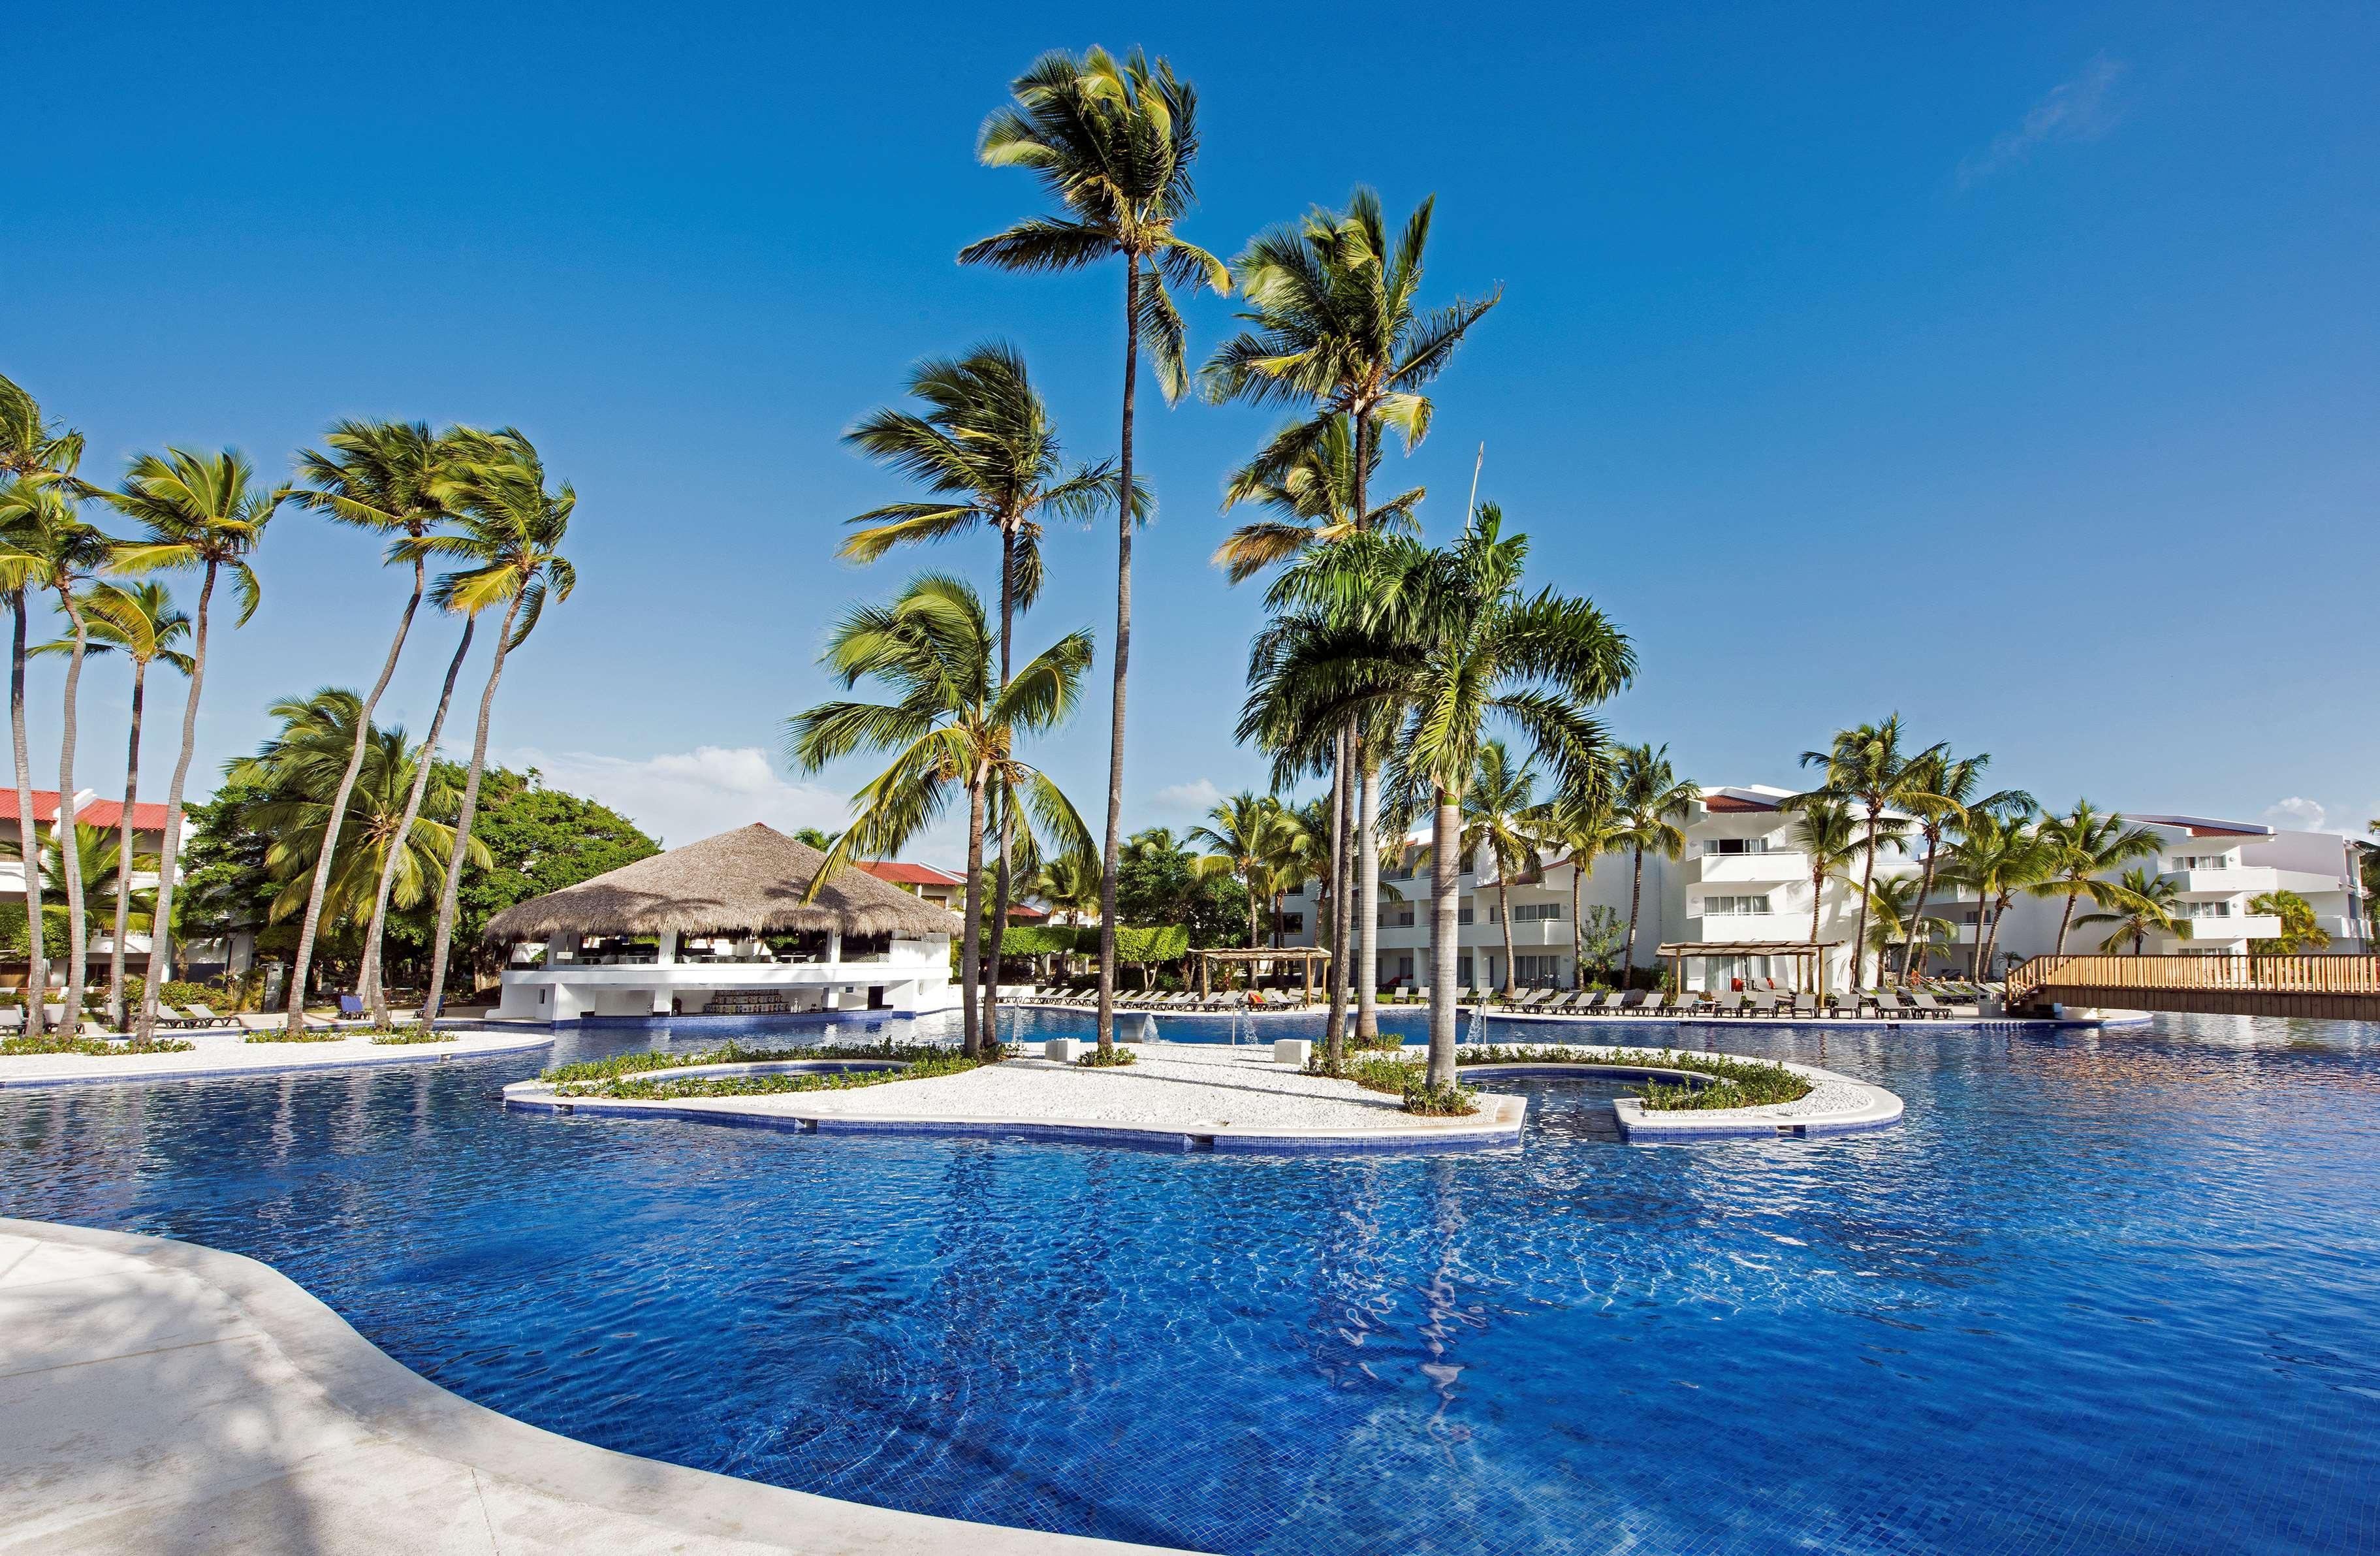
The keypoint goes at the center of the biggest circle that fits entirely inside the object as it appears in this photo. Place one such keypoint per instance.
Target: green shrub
(937, 1061)
(398, 1036)
(60, 1043)
(1455, 1100)
(731, 1052)
(1114, 1059)
(1734, 1082)
(284, 1035)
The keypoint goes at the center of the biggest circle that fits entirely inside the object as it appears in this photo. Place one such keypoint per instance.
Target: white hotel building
(1742, 880)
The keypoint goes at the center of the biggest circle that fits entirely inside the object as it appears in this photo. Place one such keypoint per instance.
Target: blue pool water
(2100, 1292)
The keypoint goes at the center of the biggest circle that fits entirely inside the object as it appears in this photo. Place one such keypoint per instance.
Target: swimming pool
(2100, 1291)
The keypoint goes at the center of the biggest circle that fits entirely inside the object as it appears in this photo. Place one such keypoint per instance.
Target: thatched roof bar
(753, 878)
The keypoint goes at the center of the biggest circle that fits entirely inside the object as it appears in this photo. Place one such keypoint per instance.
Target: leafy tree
(1240, 830)
(1112, 143)
(2151, 904)
(536, 840)
(202, 513)
(1867, 766)
(508, 543)
(1825, 834)
(1651, 799)
(1160, 882)
(1997, 858)
(953, 730)
(2088, 843)
(2299, 929)
(1944, 789)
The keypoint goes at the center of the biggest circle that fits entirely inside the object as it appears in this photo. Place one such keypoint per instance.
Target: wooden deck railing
(2349, 974)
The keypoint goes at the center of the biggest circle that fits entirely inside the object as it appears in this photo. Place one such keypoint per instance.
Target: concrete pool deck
(1222, 1097)
(220, 1051)
(161, 1396)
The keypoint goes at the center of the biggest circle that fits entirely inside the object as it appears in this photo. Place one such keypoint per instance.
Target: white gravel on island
(1172, 1085)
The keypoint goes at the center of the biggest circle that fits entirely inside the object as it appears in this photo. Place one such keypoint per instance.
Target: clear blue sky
(2013, 368)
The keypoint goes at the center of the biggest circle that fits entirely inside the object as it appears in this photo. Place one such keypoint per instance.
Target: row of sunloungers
(1232, 998)
(1772, 1004)
(54, 1018)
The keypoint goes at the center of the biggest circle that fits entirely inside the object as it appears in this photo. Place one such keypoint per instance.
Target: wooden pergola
(1304, 955)
(1809, 954)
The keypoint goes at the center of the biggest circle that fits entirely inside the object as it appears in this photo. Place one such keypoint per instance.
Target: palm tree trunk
(435, 1001)
(116, 1011)
(369, 987)
(1342, 894)
(1993, 945)
(69, 855)
(2066, 920)
(339, 797)
(160, 933)
(1982, 914)
(971, 940)
(1635, 891)
(1867, 879)
(1505, 912)
(1577, 930)
(1817, 905)
(28, 831)
(1001, 885)
(1368, 873)
(1111, 848)
(1917, 920)
(1445, 884)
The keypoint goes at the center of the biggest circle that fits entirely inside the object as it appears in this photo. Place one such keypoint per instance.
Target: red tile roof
(98, 813)
(902, 874)
(2226, 832)
(1723, 804)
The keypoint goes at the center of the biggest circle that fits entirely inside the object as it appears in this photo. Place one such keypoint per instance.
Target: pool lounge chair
(1630, 1002)
(1401, 995)
(1805, 1005)
(1925, 1003)
(200, 1016)
(1761, 1004)
(1590, 1003)
(1533, 999)
(12, 1018)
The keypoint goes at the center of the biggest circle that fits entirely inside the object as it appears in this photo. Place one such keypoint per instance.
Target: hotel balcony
(1751, 869)
(2251, 879)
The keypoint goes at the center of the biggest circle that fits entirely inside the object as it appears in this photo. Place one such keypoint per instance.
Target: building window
(1293, 923)
(1397, 915)
(1462, 971)
(1532, 912)
(1728, 908)
(1538, 969)
(1713, 845)
(2201, 861)
(1462, 916)
(2203, 909)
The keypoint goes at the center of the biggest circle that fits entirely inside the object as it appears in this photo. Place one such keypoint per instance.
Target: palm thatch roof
(752, 878)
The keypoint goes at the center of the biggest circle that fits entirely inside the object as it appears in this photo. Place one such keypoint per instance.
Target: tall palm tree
(1239, 831)
(384, 478)
(2151, 904)
(32, 447)
(41, 519)
(1651, 799)
(105, 877)
(1997, 858)
(508, 541)
(1497, 820)
(2090, 843)
(1311, 501)
(371, 987)
(953, 729)
(1895, 921)
(140, 621)
(988, 449)
(1867, 766)
(1292, 855)
(1944, 791)
(1586, 823)
(303, 769)
(1826, 835)
(1334, 323)
(1445, 640)
(202, 512)
(1112, 143)
(1069, 884)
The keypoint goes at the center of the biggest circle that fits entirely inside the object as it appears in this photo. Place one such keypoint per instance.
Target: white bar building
(720, 927)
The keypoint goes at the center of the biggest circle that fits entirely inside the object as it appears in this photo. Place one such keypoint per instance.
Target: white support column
(667, 953)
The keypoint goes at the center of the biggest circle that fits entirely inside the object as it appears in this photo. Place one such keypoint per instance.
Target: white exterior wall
(914, 974)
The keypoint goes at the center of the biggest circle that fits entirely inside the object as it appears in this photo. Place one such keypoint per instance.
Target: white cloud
(2296, 812)
(682, 796)
(2080, 109)
(1193, 798)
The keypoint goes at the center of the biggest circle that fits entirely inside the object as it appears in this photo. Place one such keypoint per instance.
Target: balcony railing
(2354, 973)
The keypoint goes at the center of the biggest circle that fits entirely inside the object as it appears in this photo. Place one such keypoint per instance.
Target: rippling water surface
(2101, 1292)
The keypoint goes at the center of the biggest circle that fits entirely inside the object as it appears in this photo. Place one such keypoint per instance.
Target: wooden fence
(2333, 985)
